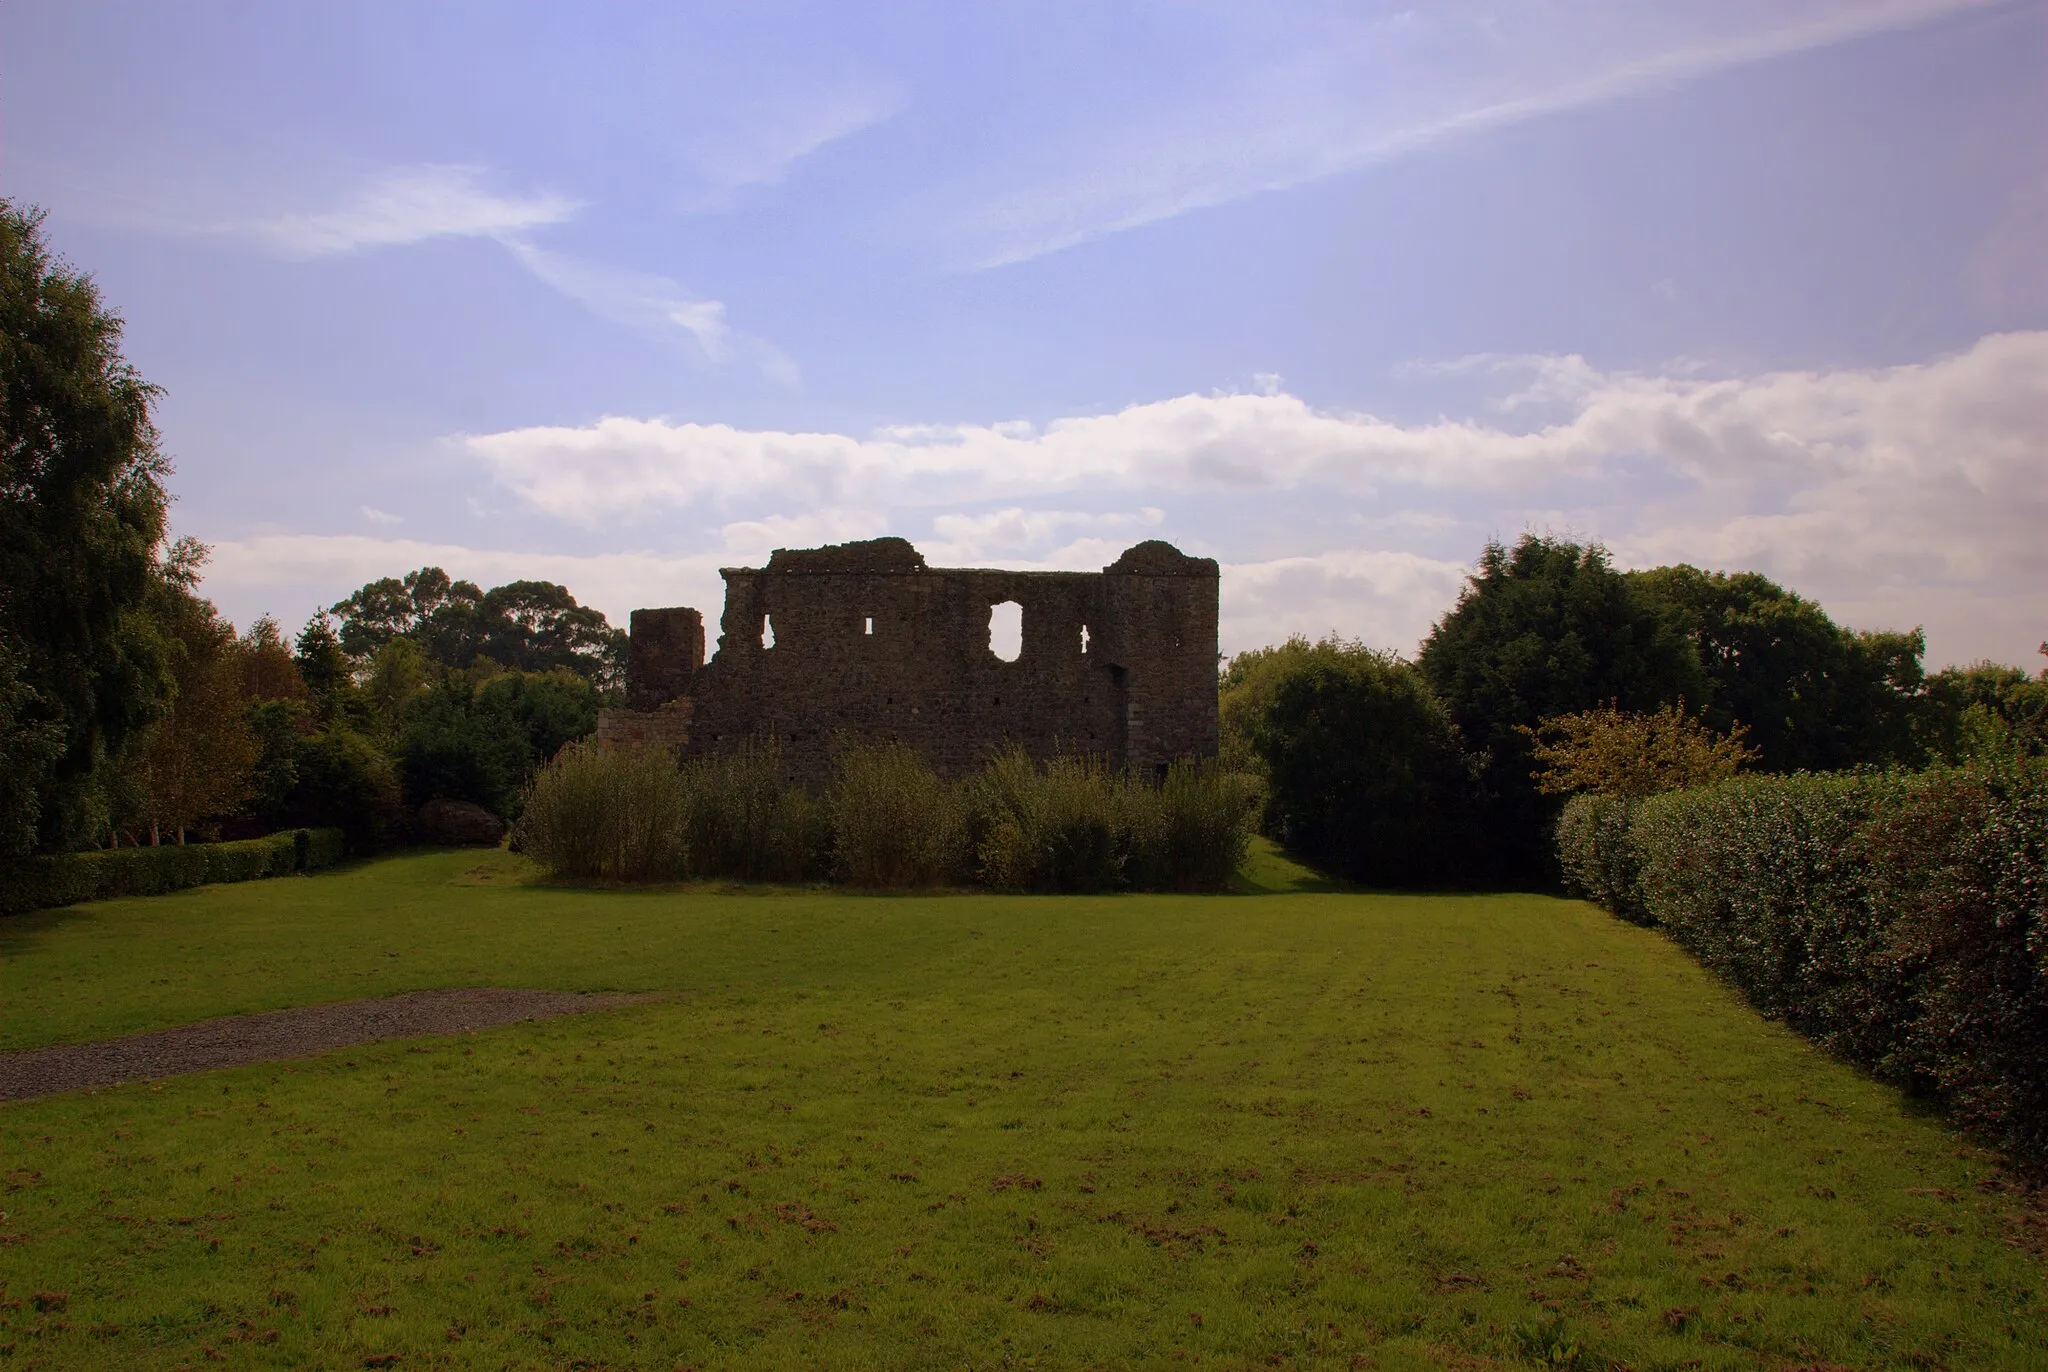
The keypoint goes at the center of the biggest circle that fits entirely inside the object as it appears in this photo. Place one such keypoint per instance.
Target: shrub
(1190, 832)
(895, 824)
(887, 821)
(1060, 827)
(1597, 855)
(1959, 862)
(1622, 753)
(1368, 775)
(1900, 920)
(103, 874)
(608, 814)
(746, 821)
(345, 781)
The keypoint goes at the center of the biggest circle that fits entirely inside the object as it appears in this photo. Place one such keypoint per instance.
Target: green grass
(1314, 1129)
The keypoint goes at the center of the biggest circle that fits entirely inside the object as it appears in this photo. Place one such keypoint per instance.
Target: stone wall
(870, 642)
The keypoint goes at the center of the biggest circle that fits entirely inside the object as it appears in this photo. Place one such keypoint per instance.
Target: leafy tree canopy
(1542, 629)
(1812, 695)
(1986, 710)
(1367, 775)
(83, 669)
(530, 626)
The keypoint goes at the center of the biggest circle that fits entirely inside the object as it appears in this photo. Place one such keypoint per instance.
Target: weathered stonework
(871, 643)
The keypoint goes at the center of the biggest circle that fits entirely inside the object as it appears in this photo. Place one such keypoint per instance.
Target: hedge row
(67, 878)
(1899, 920)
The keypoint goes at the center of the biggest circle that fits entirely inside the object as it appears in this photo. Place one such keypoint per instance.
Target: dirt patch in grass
(243, 1039)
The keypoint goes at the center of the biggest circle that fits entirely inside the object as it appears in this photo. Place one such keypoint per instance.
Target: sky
(615, 295)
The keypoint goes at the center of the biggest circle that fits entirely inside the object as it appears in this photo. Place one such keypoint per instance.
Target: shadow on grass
(1267, 871)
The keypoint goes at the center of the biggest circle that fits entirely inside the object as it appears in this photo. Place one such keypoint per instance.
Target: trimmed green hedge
(1899, 920)
(1598, 857)
(67, 878)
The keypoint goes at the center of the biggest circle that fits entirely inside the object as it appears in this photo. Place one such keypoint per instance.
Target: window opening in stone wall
(1084, 640)
(767, 631)
(868, 626)
(1006, 630)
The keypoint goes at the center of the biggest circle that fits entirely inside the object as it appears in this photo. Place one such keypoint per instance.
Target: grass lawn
(1305, 1128)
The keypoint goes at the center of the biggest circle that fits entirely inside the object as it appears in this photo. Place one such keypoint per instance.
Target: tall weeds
(895, 824)
(887, 821)
(745, 821)
(607, 814)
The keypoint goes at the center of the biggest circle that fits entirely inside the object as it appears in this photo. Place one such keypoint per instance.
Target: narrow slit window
(1006, 630)
(767, 631)
(1084, 640)
(868, 626)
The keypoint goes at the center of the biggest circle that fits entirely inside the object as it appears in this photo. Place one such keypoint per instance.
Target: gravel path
(276, 1034)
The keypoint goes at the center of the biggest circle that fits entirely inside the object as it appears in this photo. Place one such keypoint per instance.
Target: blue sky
(616, 295)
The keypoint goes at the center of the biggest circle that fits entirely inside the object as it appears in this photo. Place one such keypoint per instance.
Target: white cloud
(381, 518)
(415, 204)
(780, 133)
(1879, 488)
(1388, 85)
(294, 575)
(1014, 532)
(1387, 599)
(411, 205)
(654, 304)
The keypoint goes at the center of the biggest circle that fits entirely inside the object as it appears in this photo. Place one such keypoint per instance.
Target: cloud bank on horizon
(618, 303)
(1891, 492)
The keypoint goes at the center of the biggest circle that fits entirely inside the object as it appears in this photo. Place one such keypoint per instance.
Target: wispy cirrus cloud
(776, 135)
(1379, 87)
(417, 204)
(413, 204)
(652, 303)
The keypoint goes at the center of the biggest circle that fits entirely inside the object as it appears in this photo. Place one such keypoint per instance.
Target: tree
(198, 761)
(537, 625)
(1812, 695)
(82, 511)
(1986, 710)
(1610, 752)
(346, 781)
(478, 735)
(1547, 628)
(322, 664)
(1366, 773)
(268, 669)
(29, 744)
(531, 626)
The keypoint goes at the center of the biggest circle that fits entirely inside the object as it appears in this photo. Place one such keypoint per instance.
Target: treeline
(132, 713)
(1400, 773)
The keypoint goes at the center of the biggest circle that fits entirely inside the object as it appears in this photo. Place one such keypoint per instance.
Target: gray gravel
(278, 1034)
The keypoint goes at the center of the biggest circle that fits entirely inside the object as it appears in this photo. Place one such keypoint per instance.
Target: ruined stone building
(865, 640)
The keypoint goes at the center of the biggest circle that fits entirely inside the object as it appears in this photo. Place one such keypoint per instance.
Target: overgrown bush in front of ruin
(895, 823)
(886, 821)
(1072, 825)
(1190, 832)
(747, 822)
(597, 813)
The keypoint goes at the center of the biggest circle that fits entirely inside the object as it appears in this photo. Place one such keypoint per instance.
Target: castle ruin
(864, 640)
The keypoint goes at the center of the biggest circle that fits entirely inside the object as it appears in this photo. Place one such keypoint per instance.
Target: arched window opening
(1006, 630)
(767, 631)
